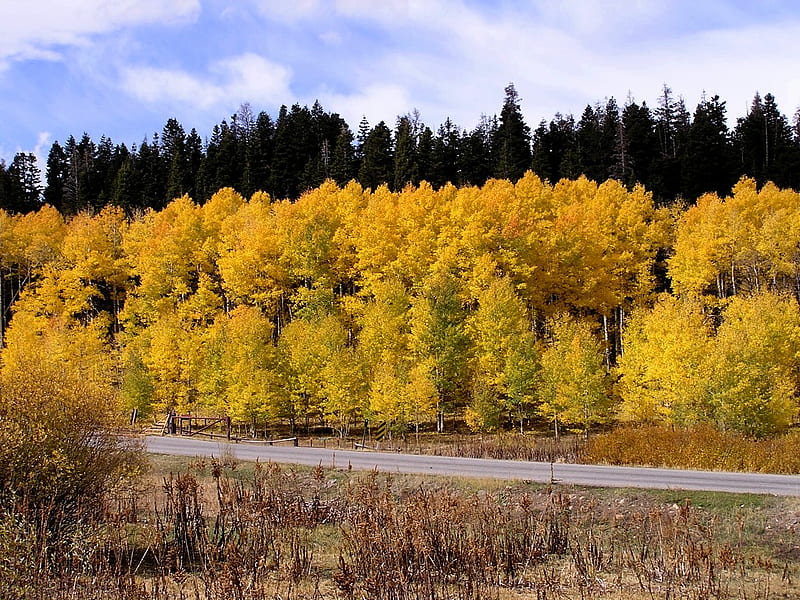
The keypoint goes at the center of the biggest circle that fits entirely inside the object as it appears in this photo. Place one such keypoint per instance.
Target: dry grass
(701, 447)
(220, 529)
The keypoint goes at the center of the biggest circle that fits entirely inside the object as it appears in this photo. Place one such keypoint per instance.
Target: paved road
(590, 475)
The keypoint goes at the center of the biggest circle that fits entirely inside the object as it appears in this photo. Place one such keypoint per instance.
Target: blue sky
(121, 68)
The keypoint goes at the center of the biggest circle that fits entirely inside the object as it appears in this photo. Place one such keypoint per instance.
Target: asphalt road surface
(589, 475)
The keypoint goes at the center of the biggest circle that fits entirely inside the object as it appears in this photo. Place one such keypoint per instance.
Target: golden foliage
(402, 304)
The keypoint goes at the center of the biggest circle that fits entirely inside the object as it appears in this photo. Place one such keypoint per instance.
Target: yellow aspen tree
(238, 374)
(384, 327)
(385, 395)
(439, 338)
(311, 250)
(703, 255)
(137, 384)
(344, 387)
(38, 238)
(478, 217)
(663, 372)
(421, 216)
(504, 357)
(250, 264)
(574, 381)
(93, 275)
(221, 206)
(92, 246)
(56, 343)
(59, 443)
(746, 210)
(755, 374)
(378, 240)
(9, 261)
(527, 232)
(168, 253)
(778, 240)
(307, 349)
(420, 397)
(171, 355)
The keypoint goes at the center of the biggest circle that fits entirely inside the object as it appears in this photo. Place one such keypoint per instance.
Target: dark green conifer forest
(675, 153)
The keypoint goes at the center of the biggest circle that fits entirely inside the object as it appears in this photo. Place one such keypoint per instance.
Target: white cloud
(43, 143)
(733, 63)
(377, 102)
(253, 78)
(291, 11)
(39, 31)
(590, 17)
(387, 12)
(560, 59)
(331, 38)
(153, 84)
(229, 82)
(457, 63)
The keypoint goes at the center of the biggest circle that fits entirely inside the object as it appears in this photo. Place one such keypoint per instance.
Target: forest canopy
(572, 304)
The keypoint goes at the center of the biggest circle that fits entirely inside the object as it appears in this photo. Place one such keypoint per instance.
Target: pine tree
(708, 162)
(671, 126)
(150, 175)
(763, 140)
(425, 154)
(556, 152)
(125, 193)
(343, 163)
(589, 140)
(194, 160)
(5, 198)
(476, 153)
(512, 141)
(25, 189)
(80, 191)
(57, 174)
(260, 149)
(445, 157)
(294, 145)
(229, 159)
(173, 143)
(325, 131)
(361, 139)
(610, 123)
(406, 169)
(376, 165)
(640, 144)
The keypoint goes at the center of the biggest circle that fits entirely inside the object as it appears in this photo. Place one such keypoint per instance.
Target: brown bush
(297, 535)
(701, 447)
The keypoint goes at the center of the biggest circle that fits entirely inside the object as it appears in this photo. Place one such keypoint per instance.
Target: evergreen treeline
(673, 153)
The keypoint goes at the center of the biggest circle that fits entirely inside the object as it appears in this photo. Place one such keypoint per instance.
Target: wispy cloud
(43, 30)
(562, 56)
(289, 11)
(43, 142)
(378, 102)
(244, 78)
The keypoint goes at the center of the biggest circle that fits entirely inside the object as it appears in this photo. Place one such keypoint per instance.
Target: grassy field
(208, 529)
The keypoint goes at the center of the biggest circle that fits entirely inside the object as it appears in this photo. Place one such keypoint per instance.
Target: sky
(121, 68)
